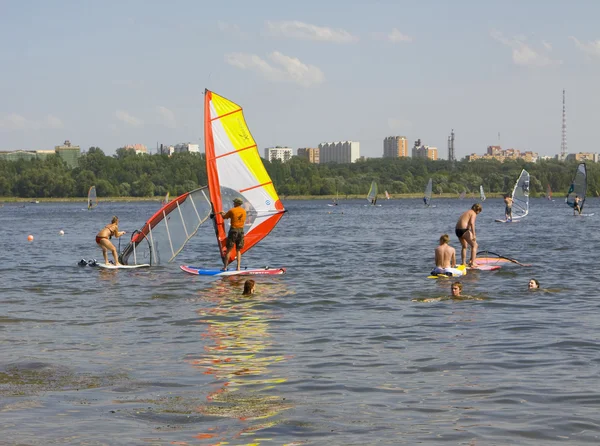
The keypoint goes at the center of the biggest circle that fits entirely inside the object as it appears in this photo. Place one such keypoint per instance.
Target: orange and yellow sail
(235, 169)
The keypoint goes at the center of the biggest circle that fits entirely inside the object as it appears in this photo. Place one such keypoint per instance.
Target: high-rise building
(421, 151)
(278, 153)
(312, 154)
(395, 147)
(341, 152)
(69, 153)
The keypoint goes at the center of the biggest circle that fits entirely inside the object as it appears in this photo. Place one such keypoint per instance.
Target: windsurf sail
(578, 187)
(463, 194)
(165, 234)
(387, 195)
(481, 193)
(235, 169)
(372, 195)
(166, 199)
(520, 196)
(92, 198)
(428, 191)
(548, 192)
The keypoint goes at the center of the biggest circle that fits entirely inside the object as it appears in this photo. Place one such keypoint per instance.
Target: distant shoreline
(283, 198)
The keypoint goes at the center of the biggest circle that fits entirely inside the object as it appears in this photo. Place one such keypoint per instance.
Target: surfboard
(485, 267)
(111, 266)
(244, 272)
(446, 276)
(500, 220)
(583, 215)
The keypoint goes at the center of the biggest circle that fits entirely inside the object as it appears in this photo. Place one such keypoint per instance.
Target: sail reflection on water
(239, 356)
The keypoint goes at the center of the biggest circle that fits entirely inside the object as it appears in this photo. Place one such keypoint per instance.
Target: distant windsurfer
(576, 205)
(425, 201)
(465, 231)
(237, 216)
(104, 236)
(445, 259)
(508, 201)
(374, 201)
(89, 204)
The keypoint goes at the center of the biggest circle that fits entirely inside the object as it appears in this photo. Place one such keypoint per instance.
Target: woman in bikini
(104, 236)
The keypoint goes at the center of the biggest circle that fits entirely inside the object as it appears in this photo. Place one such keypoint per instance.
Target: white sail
(372, 195)
(520, 196)
(481, 193)
(428, 192)
(578, 187)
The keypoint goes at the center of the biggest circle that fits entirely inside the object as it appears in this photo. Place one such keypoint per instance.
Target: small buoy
(61, 232)
(30, 237)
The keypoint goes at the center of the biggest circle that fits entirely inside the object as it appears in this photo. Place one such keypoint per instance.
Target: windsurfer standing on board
(465, 231)
(576, 206)
(508, 207)
(237, 215)
(104, 236)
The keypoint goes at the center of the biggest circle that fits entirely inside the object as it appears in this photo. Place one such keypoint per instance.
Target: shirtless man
(465, 231)
(445, 259)
(508, 201)
(577, 205)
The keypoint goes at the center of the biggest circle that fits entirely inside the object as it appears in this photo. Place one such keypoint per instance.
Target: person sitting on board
(465, 231)
(104, 236)
(237, 215)
(249, 286)
(456, 289)
(508, 207)
(576, 205)
(445, 259)
(533, 284)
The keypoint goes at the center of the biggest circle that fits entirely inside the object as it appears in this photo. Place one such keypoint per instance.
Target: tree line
(127, 174)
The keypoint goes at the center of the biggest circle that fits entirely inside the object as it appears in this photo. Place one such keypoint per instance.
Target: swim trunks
(460, 232)
(235, 237)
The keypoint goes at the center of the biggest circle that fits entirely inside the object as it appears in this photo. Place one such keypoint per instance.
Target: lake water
(341, 350)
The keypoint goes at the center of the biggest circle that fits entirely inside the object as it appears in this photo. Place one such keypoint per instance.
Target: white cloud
(128, 119)
(591, 48)
(396, 36)
(523, 54)
(305, 31)
(281, 68)
(167, 116)
(14, 121)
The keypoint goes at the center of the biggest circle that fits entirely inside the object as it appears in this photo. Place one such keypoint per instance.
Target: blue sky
(113, 73)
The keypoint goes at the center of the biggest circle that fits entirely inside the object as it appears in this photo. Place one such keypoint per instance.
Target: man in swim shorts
(508, 207)
(577, 205)
(235, 237)
(445, 259)
(465, 231)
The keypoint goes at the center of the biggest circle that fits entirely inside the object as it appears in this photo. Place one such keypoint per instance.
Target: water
(340, 350)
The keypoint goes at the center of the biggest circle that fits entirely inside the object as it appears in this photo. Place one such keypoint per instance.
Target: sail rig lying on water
(235, 170)
(165, 234)
(578, 187)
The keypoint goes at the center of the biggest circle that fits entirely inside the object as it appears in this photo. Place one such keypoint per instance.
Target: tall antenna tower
(563, 143)
(451, 156)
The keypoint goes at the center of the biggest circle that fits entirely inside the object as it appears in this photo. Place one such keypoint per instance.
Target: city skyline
(113, 74)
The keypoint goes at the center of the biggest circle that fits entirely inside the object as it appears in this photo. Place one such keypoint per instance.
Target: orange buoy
(30, 237)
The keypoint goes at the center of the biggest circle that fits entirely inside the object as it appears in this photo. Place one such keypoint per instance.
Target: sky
(113, 73)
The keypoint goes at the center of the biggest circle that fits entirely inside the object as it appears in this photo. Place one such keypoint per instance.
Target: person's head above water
(249, 287)
(456, 288)
(533, 284)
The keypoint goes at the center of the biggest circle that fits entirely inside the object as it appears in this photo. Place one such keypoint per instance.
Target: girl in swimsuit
(104, 236)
